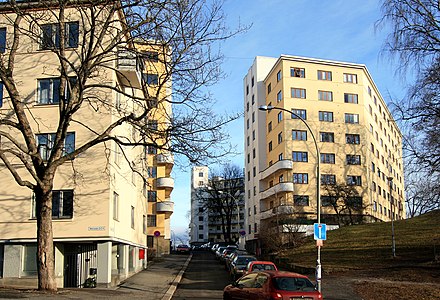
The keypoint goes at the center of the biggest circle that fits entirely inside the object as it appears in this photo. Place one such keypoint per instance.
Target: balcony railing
(130, 68)
(165, 182)
(282, 187)
(279, 210)
(165, 207)
(163, 158)
(286, 164)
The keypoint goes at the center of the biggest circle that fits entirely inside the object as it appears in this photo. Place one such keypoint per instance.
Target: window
(1, 94)
(324, 75)
(352, 138)
(298, 72)
(152, 172)
(29, 261)
(326, 116)
(269, 88)
(280, 138)
(299, 156)
(200, 227)
(279, 75)
(253, 99)
(299, 135)
(328, 137)
(280, 156)
(351, 98)
(253, 117)
(325, 95)
(152, 196)
(152, 56)
(302, 178)
(353, 159)
(298, 93)
(49, 90)
(280, 116)
(252, 81)
(350, 78)
(115, 206)
(269, 127)
(253, 135)
(327, 179)
(50, 38)
(299, 112)
(247, 89)
(46, 143)
(301, 200)
(151, 221)
(151, 79)
(144, 224)
(270, 146)
(201, 174)
(352, 118)
(2, 40)
(327, 158)
(354, 180)
(279, 96)
(328, 200)
(373, 167)
(132, 217)
(354, 201)
(62, 204)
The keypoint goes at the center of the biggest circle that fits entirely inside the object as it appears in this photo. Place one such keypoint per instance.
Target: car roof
(262, 262)
(283, 274)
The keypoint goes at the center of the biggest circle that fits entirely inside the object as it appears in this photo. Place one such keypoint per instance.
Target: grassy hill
(369, 246)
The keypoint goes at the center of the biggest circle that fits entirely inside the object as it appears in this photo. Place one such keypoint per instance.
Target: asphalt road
(204, 278)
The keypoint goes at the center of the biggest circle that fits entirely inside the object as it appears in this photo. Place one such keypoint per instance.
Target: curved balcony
(166, 207)
(129, 68)
(164, 159)
(165, 182)
(279, 210)
(282, 187)
(285, 164)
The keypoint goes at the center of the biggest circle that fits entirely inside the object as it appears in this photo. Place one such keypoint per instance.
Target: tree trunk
(45, 246)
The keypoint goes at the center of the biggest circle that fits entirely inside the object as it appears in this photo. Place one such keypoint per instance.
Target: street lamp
(318, 184)
(393, 243)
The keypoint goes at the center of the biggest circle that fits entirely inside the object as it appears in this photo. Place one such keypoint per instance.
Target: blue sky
(342, 30)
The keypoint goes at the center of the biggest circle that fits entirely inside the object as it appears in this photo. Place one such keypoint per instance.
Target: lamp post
(318, 185)
(393, 243)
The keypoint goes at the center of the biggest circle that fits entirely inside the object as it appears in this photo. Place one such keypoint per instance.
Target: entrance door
(79, 259)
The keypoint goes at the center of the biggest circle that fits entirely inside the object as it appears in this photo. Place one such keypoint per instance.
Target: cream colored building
(358, 140)
(102, 216)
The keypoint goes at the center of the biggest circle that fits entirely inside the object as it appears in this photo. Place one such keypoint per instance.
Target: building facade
(102, 213)
(358, 141)
(206, 224)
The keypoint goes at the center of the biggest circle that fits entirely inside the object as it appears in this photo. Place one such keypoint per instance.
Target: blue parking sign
(320, 231)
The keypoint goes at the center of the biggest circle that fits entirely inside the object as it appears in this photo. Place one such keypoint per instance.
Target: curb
(170, 292)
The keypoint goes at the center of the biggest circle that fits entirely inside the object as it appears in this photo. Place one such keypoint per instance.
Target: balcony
(282, 187)
(165, 182)
(280, 165)
(129, 68)
(279, 210)
(166, 207)
(164, 159)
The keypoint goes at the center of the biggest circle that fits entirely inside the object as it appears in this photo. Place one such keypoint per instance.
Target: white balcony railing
(130, 68)
(165, 207)
(163, 158)
(286, 164)
(282, 187)
(165, 182)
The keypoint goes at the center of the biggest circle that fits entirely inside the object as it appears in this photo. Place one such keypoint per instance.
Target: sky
(342, 30)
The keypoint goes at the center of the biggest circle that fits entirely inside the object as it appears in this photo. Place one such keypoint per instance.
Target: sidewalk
(158, 282)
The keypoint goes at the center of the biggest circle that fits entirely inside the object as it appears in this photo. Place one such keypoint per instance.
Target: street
(204, 278)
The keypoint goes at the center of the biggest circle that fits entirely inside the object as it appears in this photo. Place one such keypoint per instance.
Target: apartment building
(206, 224)
(105, 215)
(359, 145)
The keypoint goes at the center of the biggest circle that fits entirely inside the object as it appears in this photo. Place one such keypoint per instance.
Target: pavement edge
(170, 292)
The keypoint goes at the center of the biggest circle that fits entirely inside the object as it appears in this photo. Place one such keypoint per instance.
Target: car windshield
(293, 284)
(244, 260)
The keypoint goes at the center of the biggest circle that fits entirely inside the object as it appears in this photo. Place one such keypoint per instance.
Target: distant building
(359, 142)
(206, 226)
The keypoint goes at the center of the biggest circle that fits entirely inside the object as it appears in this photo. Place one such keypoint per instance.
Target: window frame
(50, 35)
(297, 72)
(298, 93)
(324, 116)
(302, 134)
(325, 95)
(324, 75)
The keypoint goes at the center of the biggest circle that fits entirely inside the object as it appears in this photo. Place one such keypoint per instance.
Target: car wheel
(226, 296)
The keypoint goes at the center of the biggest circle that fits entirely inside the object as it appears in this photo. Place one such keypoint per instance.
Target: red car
(260, 265)
(272, 285)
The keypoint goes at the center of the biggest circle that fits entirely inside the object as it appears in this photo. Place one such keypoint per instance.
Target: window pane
(2, 40)
(56, 199)
(67, 204)
(43, 91)
(1, 94)
(69, 145)
(73, 33)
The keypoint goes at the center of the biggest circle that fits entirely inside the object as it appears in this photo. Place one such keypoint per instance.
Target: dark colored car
(183, 249)
(272, 285)
(239, 264)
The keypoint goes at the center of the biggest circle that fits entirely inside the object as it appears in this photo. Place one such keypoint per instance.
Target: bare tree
(415, 41)
(345, 201)
(222, 198)
(86, 40)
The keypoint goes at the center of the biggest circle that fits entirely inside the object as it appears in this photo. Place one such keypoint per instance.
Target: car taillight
(320, 296)
(276, 296)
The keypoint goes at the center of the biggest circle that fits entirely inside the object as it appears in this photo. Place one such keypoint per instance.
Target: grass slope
(369, 246)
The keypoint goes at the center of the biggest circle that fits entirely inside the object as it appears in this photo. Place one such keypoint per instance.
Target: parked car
(225, 253)
(239, 264)
(260, 265)
(219, 251)
(272, 285)
(183, 249)
(230, 258)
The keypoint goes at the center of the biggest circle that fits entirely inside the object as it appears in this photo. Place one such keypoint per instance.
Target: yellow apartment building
(359, 146)
(105, 215)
